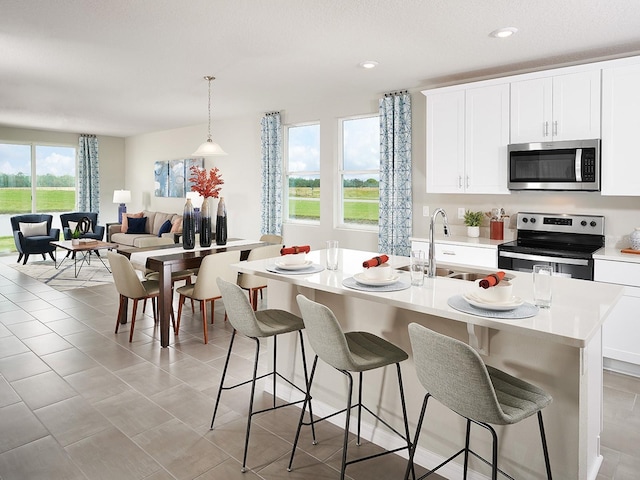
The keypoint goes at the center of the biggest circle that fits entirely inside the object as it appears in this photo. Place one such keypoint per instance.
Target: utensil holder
(496, 230)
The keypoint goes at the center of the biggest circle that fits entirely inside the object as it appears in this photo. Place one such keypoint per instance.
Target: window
(360, 172)
(303, 173)
(54, 189)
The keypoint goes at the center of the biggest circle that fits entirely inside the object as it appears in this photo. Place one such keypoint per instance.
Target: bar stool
(257, 325)
(454, 374)
(348, 352)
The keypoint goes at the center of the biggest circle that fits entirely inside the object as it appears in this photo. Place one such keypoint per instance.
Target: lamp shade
(209, 149)
(121, 196)
(196, 199)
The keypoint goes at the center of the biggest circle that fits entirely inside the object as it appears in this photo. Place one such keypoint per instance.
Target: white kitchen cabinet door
(620, 109)
(463, 255)
(531, 106)
(576, 106)
(486, 139)
(445, 142)
(563, 107)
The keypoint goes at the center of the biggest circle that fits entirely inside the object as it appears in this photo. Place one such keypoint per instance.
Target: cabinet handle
(448, 252)
(467, 181)
(555, 128)
(545, 129)
(459, 181)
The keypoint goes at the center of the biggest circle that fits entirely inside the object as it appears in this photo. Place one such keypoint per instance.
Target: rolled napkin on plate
(375, 261)
(294, 250)
(491, 280)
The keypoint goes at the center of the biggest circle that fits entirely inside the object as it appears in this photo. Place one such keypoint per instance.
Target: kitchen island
(558, 349)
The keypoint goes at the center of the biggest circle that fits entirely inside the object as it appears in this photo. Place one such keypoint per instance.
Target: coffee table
(86, 249)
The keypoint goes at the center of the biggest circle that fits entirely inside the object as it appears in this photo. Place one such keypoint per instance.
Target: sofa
(152, 231)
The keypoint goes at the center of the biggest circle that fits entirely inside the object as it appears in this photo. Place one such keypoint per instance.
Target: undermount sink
(457, 274)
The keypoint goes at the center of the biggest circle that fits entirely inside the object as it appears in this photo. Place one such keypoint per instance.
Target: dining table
(166, 259)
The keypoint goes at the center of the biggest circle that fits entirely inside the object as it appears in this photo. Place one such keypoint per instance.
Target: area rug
(63, 278)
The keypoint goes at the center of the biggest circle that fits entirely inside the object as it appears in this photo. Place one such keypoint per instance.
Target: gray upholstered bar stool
(348, 352)
(256, 325)
(454, 374)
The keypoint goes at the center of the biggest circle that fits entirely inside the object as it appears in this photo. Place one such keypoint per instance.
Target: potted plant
(473, 220)
(75, 237)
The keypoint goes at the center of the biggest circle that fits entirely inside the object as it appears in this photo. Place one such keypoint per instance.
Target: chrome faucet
(431, 268)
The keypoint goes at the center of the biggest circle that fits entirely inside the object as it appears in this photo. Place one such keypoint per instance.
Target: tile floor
(78, 402)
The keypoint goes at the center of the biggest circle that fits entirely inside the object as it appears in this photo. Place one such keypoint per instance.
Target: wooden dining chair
(205, 289)
(129, 286)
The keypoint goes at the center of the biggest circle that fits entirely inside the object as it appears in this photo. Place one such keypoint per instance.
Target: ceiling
(126, 67)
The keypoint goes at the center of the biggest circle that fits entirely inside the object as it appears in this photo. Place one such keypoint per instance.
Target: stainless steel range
(566, 242)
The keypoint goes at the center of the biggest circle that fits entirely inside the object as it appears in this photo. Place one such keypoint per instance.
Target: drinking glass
(542, 275)
(416, 267)
(332, 255)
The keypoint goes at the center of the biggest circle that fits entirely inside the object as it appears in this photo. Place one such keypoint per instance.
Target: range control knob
(525, 220)
(583, 223)
(533, 220)
(593, 223)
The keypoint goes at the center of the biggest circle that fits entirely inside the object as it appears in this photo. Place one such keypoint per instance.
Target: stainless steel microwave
(567, 165)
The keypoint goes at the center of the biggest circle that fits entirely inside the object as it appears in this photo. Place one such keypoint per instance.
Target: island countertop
(579, 307)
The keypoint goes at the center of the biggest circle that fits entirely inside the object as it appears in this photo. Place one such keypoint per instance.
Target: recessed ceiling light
(503, 32)
(368, 64)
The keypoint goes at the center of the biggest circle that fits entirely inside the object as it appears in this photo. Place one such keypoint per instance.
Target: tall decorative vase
(188, 226)
(221, 223)
(205, 224)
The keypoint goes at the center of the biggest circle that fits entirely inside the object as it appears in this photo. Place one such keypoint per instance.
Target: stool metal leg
(346, 424)
(304, 406)
(412, 450)
(466, 450)
(307, 387)
(250, 414)
(404, 414)
(224, 374)
(358, 443)
(544, 445)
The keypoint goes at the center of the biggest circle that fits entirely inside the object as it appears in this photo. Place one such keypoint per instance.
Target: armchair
(33, 234)
(96, 231)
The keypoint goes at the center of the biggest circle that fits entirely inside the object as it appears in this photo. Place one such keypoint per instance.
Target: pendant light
(209, 148)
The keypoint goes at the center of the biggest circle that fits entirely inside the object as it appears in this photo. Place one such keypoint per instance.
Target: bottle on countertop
(221, 223)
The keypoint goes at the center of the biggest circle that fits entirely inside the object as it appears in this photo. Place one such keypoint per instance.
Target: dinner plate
(293, 266)
(374, 282)
(512, 304)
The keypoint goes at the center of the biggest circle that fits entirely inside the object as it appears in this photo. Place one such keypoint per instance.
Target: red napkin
(491, 280)
(375, 261)
(290, 250)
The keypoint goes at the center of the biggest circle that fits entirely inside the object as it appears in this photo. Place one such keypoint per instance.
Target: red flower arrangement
(207, 185)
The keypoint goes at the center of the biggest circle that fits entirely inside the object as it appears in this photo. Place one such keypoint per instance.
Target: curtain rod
(87, 135)
(393, 94)
(271, 113)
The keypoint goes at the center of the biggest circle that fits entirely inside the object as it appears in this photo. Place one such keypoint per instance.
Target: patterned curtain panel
(88, 175)
(395, 174)
(271, 174)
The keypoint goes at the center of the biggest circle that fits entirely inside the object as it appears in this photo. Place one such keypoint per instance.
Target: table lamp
(121, 197)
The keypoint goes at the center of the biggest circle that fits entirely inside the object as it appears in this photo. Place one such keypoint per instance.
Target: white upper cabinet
(562, 107)
(445, 142)
(467, 137)
(620, 130)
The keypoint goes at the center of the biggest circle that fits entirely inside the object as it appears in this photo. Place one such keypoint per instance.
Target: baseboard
(378, 435)
(619, 366)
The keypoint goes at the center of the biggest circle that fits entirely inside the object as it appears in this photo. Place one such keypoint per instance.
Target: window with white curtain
(359, 172)
(302, 173)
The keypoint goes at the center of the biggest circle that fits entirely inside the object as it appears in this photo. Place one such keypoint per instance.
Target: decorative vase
(221, 223)
(188, 226)
(634, 238)
(473, 232)
(205, 224)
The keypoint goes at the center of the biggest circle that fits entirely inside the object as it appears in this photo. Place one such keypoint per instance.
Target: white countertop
(614, 254)
(578, 310)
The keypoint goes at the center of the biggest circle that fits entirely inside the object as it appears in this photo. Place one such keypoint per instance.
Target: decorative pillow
(73, 225)
(176, 226)
(137, 225)
(125, 221)
(165, 228)
(33, 229)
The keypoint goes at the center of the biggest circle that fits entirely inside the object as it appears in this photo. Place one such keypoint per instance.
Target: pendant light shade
(209, 148)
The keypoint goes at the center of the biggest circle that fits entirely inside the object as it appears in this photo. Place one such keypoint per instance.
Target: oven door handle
(543, 258)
